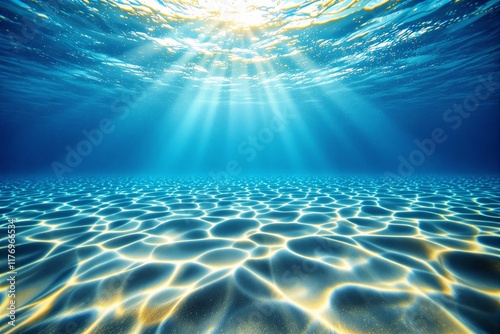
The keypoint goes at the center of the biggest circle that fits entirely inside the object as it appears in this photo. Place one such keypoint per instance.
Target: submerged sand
(256, 255)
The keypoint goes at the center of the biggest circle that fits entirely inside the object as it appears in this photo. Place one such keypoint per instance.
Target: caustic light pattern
(256, 255)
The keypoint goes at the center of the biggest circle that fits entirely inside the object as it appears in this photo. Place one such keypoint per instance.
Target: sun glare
(236, 14)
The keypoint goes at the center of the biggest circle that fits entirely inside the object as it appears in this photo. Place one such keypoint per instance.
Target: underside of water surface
(263, 166)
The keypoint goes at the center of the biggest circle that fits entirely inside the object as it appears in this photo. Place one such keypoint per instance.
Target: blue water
(251, 167)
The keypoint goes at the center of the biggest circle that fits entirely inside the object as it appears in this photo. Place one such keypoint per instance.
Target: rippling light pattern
(266, 255)
(238, 46)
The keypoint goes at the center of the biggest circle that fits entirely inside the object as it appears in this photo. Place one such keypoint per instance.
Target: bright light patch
(236, 14)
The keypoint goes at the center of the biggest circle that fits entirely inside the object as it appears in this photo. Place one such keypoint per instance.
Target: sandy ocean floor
(255, 255)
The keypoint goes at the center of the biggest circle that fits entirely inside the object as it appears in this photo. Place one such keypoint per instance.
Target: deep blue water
(251, 167)
(185, 88)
